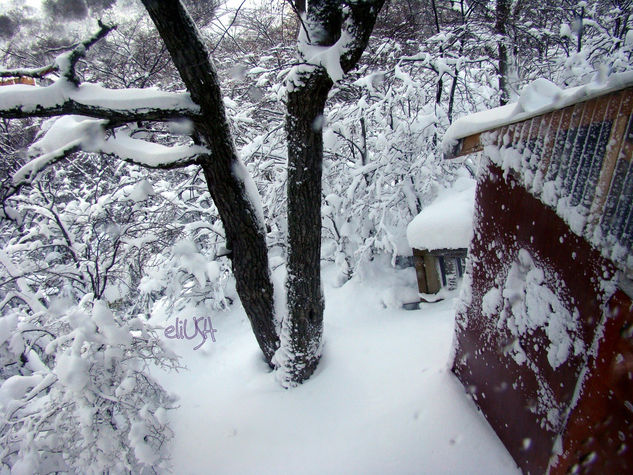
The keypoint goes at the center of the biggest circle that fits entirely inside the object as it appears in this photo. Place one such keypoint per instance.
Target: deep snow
(382, 399)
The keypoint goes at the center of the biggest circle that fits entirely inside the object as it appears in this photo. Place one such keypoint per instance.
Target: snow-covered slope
(382, 400)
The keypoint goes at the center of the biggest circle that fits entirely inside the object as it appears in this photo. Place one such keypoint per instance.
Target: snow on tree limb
(67, 61)
(118, 106)
(67, 97)
(70, 134)
(28, 72)
(151, 155)
(27, 172)
(64, 63)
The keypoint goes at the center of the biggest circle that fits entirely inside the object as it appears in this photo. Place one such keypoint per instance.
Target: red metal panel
(599, 434)
(510, 394)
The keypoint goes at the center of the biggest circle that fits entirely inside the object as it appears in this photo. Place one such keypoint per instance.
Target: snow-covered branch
(151, 155)
(28, 72)
(26, 173)
(67, 97)
(118, 106)
(65, 63)
(69, 134)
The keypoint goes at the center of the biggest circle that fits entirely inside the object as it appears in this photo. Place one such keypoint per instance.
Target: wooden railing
(12, 81)
(577, 160)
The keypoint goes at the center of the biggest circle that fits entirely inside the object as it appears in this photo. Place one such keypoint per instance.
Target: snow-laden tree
(76, 393)
(92, 118)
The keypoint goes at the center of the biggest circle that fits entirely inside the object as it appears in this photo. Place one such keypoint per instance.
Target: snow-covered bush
(75, 347)
(76, 394)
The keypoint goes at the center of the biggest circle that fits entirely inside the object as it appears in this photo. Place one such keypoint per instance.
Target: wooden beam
(465, 146)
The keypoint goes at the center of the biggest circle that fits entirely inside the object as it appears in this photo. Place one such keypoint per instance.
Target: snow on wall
(531, 299)
(528, 303)
(447, 223)
(521, 305)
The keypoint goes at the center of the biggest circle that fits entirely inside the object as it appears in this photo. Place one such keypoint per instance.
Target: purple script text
(201, 326)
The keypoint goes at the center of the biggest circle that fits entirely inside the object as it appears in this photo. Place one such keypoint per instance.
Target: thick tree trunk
(245, 233)
(303, 326)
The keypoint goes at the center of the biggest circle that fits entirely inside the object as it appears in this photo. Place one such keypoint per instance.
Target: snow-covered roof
(447, 223)
(538, 97)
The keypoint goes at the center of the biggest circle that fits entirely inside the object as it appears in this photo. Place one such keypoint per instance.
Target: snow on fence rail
(577, 160)
(13, 81)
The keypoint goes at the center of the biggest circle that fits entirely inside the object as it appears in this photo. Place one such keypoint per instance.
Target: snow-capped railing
(577, 160)
(17, 80)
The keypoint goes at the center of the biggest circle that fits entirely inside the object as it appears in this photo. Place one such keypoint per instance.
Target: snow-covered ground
(381, 401)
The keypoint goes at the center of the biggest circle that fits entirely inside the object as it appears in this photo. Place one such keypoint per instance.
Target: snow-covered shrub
(75, 391)
(75, 346)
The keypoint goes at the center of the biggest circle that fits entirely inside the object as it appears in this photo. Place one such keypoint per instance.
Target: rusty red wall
(599, 434)
(526, 403)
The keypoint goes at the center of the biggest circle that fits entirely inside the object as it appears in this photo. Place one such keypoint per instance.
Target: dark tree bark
(305, 157)
(245, 235)
(302, 331)
(503, 15)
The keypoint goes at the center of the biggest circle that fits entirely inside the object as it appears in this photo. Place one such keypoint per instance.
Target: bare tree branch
(226, 30)
(64, 63)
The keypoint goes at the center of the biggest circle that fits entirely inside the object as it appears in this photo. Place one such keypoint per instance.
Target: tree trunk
(245, 234)
(503, 14)
(302, 329)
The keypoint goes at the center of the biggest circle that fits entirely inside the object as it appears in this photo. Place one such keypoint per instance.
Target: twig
(73, 57)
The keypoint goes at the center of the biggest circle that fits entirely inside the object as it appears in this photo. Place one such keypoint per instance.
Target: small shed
(439, 236)
(544, 328)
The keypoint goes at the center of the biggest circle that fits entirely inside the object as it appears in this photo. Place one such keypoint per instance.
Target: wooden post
(426, 270)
